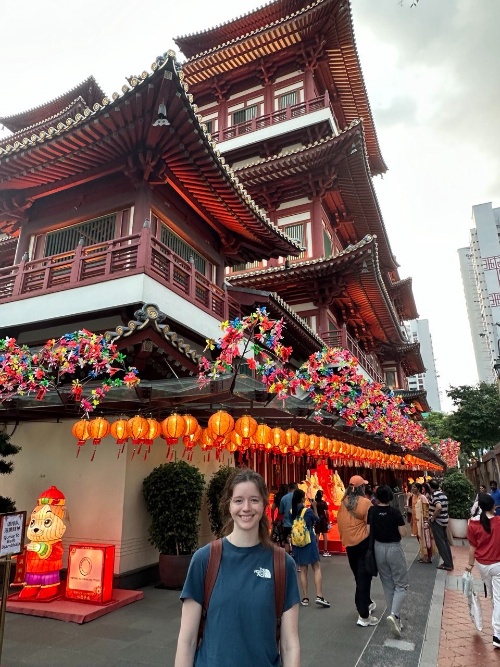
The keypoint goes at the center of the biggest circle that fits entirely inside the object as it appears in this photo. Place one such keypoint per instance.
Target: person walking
(353, 528)
(483, 534)
(438, 519)
(321, 526)
(277, 518)
(475, 509)
(284, 508)
(495, 494)
(309, 554)
(242, 604)
(424, 533)
(388, 526)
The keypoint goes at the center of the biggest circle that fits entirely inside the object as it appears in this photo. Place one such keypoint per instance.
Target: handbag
(475, 610)
(370, 560)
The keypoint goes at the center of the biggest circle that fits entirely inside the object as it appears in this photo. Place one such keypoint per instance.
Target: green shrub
(460, 493)
(214, 492)
(173, 493)
(7, 449)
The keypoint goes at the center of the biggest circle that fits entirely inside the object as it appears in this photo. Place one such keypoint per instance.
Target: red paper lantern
(245, 427)
(81, 432)
(98, 429)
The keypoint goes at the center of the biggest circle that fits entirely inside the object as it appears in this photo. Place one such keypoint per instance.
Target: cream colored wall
(104, 496)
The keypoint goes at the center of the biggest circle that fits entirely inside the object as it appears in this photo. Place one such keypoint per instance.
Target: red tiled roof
(88, 91)
(347, 152)
(270, 31)
(405, 301)
(352, 278)
(103, 140)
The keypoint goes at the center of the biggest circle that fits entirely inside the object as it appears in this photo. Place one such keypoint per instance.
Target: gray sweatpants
(393, 573)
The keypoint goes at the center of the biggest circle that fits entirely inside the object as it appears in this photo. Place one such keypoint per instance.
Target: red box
(90, 573)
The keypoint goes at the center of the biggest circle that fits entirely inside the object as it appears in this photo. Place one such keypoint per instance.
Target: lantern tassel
(93, 454)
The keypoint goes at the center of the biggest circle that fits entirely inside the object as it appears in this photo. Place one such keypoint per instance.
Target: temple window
(295, 232)
(246, 266)
(92, 232)
(287, 100)
(185, 251)
(391, 377)
(244, 115)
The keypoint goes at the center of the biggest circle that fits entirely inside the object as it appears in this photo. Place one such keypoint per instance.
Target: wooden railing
(126, 256)
(261, 122)
(367, 361)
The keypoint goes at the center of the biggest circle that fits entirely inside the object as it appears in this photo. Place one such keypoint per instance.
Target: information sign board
(12, 528)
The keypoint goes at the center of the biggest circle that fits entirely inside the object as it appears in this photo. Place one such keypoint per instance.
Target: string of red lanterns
(243, 435)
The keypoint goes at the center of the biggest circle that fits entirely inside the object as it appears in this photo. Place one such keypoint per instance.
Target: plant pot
(459, 528)
(173, 571)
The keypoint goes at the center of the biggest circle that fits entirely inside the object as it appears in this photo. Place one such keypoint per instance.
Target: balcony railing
(123, 257)
(367, 361)
(261, 122)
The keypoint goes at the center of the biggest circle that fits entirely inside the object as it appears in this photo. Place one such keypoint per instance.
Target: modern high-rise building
(480, 268)
(418, 331)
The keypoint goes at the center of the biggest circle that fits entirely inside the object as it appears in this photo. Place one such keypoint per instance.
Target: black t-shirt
(384, 521)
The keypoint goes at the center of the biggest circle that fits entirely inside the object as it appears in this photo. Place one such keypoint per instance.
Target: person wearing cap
(352, 524)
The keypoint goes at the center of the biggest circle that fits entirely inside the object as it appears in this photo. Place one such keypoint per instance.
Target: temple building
(151, 219)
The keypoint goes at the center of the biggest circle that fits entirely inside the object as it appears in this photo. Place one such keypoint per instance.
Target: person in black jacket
(388, 526)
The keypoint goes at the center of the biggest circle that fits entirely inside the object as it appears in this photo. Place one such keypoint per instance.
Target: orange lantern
(190, 441)
(138, 429)
(119, 431)
(236, 439)
(303, 442)
(292, 437)
(231, 446)
(245, 427)
(153, 432)
(220, 425)
(173, 428)
(262, 436)
(191, 427)
(313, 443)
(98, 429)
(81, 432)
(206, 443)
(278, 439)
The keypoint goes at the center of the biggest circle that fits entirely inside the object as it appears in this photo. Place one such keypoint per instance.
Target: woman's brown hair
(245, 475)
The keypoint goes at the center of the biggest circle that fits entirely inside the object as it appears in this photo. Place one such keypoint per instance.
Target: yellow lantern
(173, 428)
(81, 432)
(98, 429)
(220, 425)
(245, 427)
(292, 437)
(262, 436)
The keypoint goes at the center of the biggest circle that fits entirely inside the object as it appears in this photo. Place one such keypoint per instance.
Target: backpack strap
(279, 566)
(214, 559)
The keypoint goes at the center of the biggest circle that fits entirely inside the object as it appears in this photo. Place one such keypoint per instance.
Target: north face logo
(263, 572)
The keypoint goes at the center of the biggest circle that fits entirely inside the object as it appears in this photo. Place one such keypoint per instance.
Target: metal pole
(3, 604)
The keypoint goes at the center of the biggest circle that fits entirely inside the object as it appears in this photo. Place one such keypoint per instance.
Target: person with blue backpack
(305, 546)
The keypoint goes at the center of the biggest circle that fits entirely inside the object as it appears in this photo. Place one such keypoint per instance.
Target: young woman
(321, 526)
(483, 534)
(308, 555)
(277, 518)
(241, 619)
(424, 533)
(412, 498)
(475, 510)
(388, 526)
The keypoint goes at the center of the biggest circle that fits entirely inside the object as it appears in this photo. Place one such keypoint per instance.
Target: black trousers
(441, 540)
(356, 556)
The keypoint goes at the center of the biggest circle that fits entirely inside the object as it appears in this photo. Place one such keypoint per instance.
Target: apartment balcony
(367, 361)
(282, 121)
(101, 265)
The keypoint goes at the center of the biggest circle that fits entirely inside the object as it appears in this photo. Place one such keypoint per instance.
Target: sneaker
(322, 601)
(394, 624)
(365, 622)
(326, 554)
(372, 607)
(496, 642)
(304, 602)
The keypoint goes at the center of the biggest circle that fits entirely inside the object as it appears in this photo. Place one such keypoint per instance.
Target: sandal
(304, 602)
(421, 560)
(443, 567)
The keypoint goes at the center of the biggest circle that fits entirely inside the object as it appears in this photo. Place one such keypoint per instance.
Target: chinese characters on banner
(12, 533)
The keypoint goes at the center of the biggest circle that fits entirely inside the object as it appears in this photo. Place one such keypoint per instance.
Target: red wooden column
(142, 207)
(308, 84)
(318, 242)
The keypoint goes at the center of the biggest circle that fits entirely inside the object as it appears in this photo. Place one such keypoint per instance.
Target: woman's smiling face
(246, 506)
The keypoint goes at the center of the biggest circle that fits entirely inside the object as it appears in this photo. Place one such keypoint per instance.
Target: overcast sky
(432, 78)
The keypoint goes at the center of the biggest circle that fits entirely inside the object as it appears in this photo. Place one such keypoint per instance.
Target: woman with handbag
(308, 554)
(242, 605)
(353, 529)
(483, 534)
(387, 525)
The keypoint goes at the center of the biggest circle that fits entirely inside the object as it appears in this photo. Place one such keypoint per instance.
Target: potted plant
(214, 492)
(173, 493)
(460, 493)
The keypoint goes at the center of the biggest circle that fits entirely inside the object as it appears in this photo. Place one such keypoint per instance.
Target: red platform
(71, 611)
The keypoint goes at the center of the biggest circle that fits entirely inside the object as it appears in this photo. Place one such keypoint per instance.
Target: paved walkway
(437, 628)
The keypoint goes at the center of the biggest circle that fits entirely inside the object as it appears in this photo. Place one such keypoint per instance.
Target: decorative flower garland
(22, 372)
(449, 451)
(329, 377)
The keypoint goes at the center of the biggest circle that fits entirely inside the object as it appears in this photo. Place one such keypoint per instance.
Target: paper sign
(12, 527)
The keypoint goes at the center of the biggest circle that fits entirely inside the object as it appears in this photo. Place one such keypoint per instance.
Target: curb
(430, 647)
